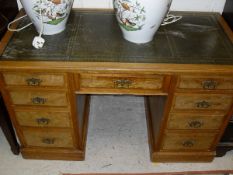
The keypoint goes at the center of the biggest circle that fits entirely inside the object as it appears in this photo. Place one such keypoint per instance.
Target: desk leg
(7, 128)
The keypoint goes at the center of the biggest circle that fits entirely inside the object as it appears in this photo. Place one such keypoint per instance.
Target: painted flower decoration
(130, 14)
(53, 11)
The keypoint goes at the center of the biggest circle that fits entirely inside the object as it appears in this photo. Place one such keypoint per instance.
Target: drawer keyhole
(42, 121)
(33, 81)
(38, 100)
(209, 84)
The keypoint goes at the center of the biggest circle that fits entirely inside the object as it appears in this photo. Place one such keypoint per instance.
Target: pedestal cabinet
(198, 109)
(185, 75)
(41, 106)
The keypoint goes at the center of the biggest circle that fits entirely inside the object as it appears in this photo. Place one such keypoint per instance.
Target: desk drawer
(34, 79)
(202, 102)
(194, 121)
(184, 141)
(48, 138)
(206, 82)
(43, 119)
(121, 81)
(42, 98)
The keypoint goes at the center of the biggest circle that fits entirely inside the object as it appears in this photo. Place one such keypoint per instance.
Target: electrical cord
(169, 19)
(17, 30)
(38, 41)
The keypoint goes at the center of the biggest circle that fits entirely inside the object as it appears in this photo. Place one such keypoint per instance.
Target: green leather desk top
(96, 37)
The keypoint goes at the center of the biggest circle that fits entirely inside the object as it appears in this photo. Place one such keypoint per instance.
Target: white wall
(178, 5)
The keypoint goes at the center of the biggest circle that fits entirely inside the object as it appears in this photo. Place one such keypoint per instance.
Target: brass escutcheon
(195, 124)
(38, 100)
(48, 140)
(122, 84)
(203, 104)
(42, 121)
(33, 81)
(209, 84)
(188, 143)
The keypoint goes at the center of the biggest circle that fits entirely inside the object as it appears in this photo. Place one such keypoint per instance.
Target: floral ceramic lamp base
(54, 14)
(140, 19)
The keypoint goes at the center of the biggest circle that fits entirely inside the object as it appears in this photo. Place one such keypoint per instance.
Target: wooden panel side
(226, 27)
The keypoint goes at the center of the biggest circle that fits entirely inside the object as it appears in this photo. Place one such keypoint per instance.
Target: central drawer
(43, 98)
(122, 82)
(48, 138)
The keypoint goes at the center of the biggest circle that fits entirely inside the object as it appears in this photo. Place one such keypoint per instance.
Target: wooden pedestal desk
(185, 75)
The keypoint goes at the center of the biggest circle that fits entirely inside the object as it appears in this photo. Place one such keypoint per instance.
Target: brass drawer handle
(188, 143)
(48, 141)
(42, 121)
(33, 81)
(195, 124)
(209, 84)
(38, 100)
(122, 84)
(203, 104)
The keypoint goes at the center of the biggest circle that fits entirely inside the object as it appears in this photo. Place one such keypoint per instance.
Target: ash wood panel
(202, 102)
(10, 110)
(73, 110)
(195, 121)
(41, 98)
(83, 108)
(48, 138)
(7, 128)
(224, 125)
(34, 79)
(205, 82)
(42, 118)
(104, 67)
(188, 141)
(154, 108)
